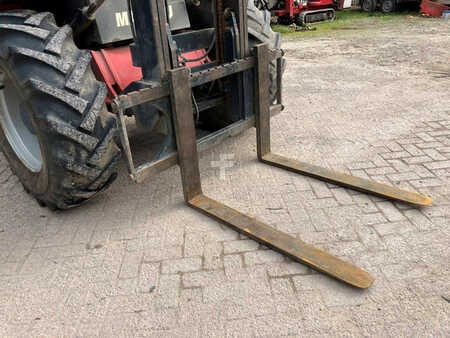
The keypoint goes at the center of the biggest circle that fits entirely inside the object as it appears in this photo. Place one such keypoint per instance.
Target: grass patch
(345, 20)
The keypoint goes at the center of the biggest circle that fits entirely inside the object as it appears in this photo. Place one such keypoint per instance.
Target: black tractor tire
(368, 5)
(260, 31)
(388, 6)
(65, 109)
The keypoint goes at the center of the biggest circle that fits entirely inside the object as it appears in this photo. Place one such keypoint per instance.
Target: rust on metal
(262, 101)
(279, 241)
(155, 91)
(181, 100)
(345, 180)
(193, 195)
(324, 174)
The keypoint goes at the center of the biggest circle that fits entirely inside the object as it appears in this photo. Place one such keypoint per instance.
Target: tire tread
(259, 29)
(83, 150)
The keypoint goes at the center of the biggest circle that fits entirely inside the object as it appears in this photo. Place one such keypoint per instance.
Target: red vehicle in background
(303, 12)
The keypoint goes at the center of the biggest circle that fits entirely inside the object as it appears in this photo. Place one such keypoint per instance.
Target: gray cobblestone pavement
(137, 262)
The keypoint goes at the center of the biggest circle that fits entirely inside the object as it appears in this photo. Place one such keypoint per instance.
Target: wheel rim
(18, 127)
(367, 5)
(388, 6)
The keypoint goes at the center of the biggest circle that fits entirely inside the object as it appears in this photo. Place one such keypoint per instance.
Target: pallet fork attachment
(180, 81)
(348, 181)
(277, 240)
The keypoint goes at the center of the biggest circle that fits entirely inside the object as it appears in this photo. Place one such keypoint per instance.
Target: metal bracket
(122, 126)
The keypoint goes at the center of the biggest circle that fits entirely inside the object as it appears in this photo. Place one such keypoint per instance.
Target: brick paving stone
(380, 171)
(393, 146)
(287, 269)
(301, 184)
(371, 219)
(390, 211)
(359, 173)
(234, 291)
(159, 254)
(393, 228)
(321, 203)
(395, 155)
(434, 154)
(445, 132)
(193, 244)
(130, 265)
(321, 237)
(234, 268)
(438, 165)
(365, 203)
(168, 293)
(240, 246)
(413, 150)
(419, 220)
(421, 171)
(320, 220)
(261, 257)
(417, 159)
(370, 238)
(343, 248)
(148, 277)
(406, 176)
(202, 278)
(321, 190)
(425, 137)
(281, 286)
(405, 271)
(426, 182)
(428, 145)
(21, 250)
(397, 245)
(361, 165)
(381, 149)
(406, 141)
(212, 256)
(240, 328)
(379, 161)
(181, 265)
(342, 196)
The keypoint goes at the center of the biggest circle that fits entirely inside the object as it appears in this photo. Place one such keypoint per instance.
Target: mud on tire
(66, 108)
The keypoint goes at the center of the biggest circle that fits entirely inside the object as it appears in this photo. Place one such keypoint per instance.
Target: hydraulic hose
(210, 48)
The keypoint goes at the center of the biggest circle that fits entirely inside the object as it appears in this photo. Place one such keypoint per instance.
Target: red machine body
(294, 9)
(432, 8)
(291, 9)
(115, 68)
(10, 5)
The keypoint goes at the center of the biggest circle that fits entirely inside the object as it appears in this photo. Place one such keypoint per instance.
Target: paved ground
(137, 262)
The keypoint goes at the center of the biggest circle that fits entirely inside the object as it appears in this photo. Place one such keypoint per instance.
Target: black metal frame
(177, 85)
(162, 90)
(152, 34)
